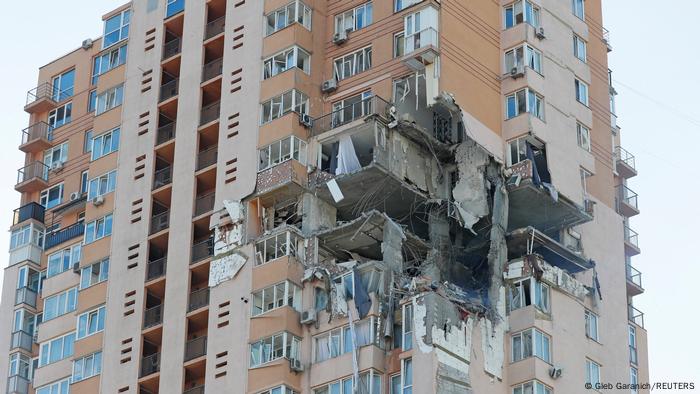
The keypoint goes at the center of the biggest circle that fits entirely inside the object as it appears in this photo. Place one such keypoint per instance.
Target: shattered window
(407, 376)
(541, 296)
(320, 298)
(283, 244)
(530, 343)
(276, 296)
(339, 341)
(407, 342)
(280, 151)
(283, 104)
(524, 101)
(516, 14)
(282, 345)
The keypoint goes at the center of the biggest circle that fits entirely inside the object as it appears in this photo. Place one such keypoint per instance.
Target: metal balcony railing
(627, 196)
(374, 105)
(635, 315)
(41, 92)
(17, 384)
(202, 249)
(215, 27)
(207, 157)
(212, 69)
(606, 39)
(153, 316)
(204, 204)
(165, 133)
(27, 296)
(633, 275)
(150, 364)
(624, 156)
(75, 230)
(156, 268)
(35, 170)
(21, 340)
(40, 130)
(162, 177)
(198, 299)
(169, 89)
(195, 348)
(631, 236)
(195, 390)
(172, 48)
(28, 211)
(422, 39)
(160, 222)
(209, 113)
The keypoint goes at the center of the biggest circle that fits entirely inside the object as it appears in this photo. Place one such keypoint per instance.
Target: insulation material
(470, 192)
(347, 158)
(340, 305)
(335, 191)
(419, 328)
(225, 268)
(492, 341)
(227, 239)
(235, 210)
(564, 281)
(431, 84)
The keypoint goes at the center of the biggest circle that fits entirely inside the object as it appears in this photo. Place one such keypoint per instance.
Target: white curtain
(347, 159)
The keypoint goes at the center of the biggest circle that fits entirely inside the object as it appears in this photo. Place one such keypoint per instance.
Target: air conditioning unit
(306, 121)
(329, 86)
(517, 72)
(296, 365)
(87, 44)
(57, 166)
(340, 38)
(308, 316)
(97, 201)
(554, 372)
(74, 196)
(539, 33)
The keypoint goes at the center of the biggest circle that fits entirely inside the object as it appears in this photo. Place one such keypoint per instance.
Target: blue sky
(656, 68)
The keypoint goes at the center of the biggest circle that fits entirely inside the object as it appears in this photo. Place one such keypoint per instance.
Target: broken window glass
(527, 343)
(407, 342)
(320, 299)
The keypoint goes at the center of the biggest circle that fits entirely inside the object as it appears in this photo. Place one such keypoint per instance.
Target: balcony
(165, 133)
(350, 113)
(169, 90)
(606, 40)
(195, 390)
(156, 269)
(40, 99)
(633, 355)
(198, 299)
(32, 177)
(160, 222)
(29, 211)
(58, 237)
(17, 384)
(635, 315)
(624, 163)
(172, 48)
(150, 364)
(634, 281)
(290, 174)
(631, 242)
(26, 296)
(204, 204)
(209, 113)
(153, 316)
(421, 48)
(527, 241)
(215, 27)
(36, 137)
(626, 201)
(162, 177)
(212, 69)
(21, 340)
(195, 348)
(207, 157)
(202, 250)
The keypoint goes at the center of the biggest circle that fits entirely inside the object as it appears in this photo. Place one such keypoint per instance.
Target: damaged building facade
(393, 196)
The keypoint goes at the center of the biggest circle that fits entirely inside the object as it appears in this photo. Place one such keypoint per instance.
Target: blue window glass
(512, 107)
(173, 7)
(63, 85)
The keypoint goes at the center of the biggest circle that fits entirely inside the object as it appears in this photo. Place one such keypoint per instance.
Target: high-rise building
(326, 197)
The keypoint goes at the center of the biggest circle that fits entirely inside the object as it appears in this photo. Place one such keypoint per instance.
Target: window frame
(109, 99)
(399, 42)
(102, 185)
(93, 361)
(87, 272)
(291, 291)
(583, 137)
(51, 203)
(46, 349)
(61, 386)
(531, 58)
(107, 61)
(580, 48)
(282, 14)
(581, 89)
(407, 327)
(60, 93)
(69, 304)
(358, 62)
(291, 57)
(591, 325)
(526, 4)
(341, 337)
(104, 149)
(340, 21)
(534, 335)
(278, 106)
(66, 116)
(67, 257)
(406, 387)
(106, 222)
(290, 343)
(592, 366)
(25, 235)
(536, 387)
(578, 8)
(122, 29)
(400, 5)
(297, 151)
(537, 109)
(98, 313)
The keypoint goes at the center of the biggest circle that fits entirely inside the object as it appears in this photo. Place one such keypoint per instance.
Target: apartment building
(327, 197)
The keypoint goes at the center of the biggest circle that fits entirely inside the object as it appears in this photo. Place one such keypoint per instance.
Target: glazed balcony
(21, 340)
(631, 242)
(212, 69)
(165, 133)
(75, 230)
(40, 99)
(634, 281)
(195, 348)
(153, 316)
(169, 90)
(627, 201)
(624, 163)
(421, 48)
(36, 137)
(198, 299)
(172, 48)
(202, 250)
(350, 113)
(17, 384)
(635, 315)
(162, 177)
(215, 27)
(209, 113)
(156, 268)
(32, 177)
(29, 211)
(150, 364)
(27, 296)
(160, 222)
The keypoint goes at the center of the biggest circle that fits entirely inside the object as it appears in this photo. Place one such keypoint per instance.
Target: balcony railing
(28, 211)
(204, 204)
(207, 157)
(37, 131)
(195, 390)
(162, 177)
(215, 28)
(195, 348)
(209, 113)
(58, 237)
(633, 275)
(635, 316)
(36, 170)
(22, 340)
(41, 92)
(627, 196)
(150, 364)
(160, 222)
(632, 237)
(370, 106)
(153, 316)
(212, 69)
(172, 48)
(198, 299)
(17, 384)
(165, 133)
(156, 268)
(422, 39)
(27, 296)
(203, 249)
(169, 89)
(625, 157)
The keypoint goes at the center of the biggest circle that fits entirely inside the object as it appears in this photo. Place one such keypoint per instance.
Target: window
(276, 296)
(173, 7)
(107, 61)
(25, 321)
(60, 387)
(283, 244)
(578, 8)
(59, 304)
(109, 99)
(354, 19)
(63, 85)
(521, 11)
(634, 380)
(25, 235)
(60, 116)
(280, 151)
(87, 142)
(94, 274)
(532, 58)
(403, 4)
(420, 29)
(585, 174)
(56, 349)
(591, 325)
(91, 322)
(351, 109)
(63, 260)
(399, 44)
(395, 384)
(87, 367)
(102, 184)
(592, 372)
(530, 343)
(282, 345)
(294, 12)
(581, 92)
(337, 342)
(352, 64)
(279, 390)
(55, 155)
(83, 182)
(407, 327)
(529, 292)
(20, 365)
(524, 101)
(533, 387)
(281, 105)
(105, 144)
(116, 29)
(283, 61)
(579, 48)
(583, 135)
(98, 229)
(370, 383)
(52, 196)
(632, 342)
(92, 100)
(407, 376)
